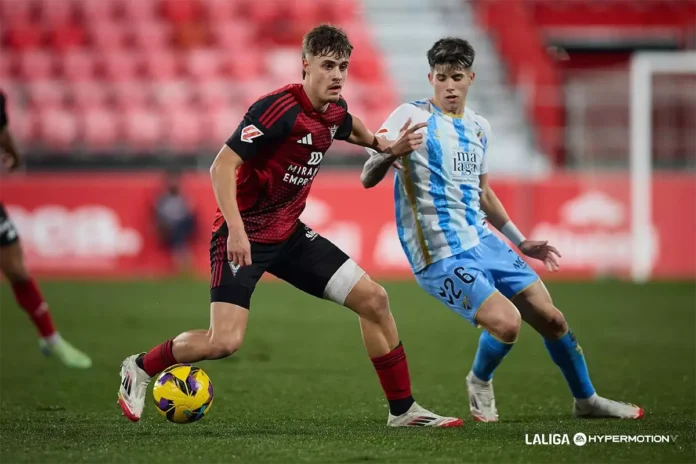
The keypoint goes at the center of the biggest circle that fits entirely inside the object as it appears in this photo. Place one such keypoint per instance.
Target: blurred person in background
(24, 287)
(176, 221)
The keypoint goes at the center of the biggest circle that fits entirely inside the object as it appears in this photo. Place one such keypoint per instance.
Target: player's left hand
(542, 251)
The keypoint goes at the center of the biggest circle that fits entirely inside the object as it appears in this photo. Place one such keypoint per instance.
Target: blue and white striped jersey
(437, 193)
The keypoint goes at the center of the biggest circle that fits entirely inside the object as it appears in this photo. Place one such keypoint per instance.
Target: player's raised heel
(417, 416)
(597, 407)
(131, 394)
(481, 399)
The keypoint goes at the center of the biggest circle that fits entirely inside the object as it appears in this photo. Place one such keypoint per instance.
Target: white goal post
(643, 66)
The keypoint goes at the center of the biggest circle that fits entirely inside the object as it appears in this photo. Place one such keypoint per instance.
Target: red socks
(29, 297)
(157, 359)
(392, 370)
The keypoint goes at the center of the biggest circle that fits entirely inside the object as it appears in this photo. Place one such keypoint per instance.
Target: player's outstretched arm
(223, 174)
(499, 218)
(380, 161)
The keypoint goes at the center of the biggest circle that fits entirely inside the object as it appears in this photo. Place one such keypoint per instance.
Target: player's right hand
(238, 248)
(408, 141)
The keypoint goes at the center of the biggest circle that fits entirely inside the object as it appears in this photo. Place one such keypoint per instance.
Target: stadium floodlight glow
(643, 66)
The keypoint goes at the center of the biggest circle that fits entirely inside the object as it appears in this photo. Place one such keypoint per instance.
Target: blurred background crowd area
(152, 83)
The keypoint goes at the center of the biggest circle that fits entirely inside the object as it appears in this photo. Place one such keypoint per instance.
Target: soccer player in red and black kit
(261, 178)
(24, 287)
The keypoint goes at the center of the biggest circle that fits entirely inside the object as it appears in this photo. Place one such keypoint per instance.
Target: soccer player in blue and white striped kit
(442, 199)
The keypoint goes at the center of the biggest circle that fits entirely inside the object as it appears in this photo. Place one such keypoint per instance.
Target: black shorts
(306, 260)
(8, 232)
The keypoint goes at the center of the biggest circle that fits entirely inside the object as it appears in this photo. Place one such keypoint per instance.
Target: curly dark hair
(325, 40)
(452, 52)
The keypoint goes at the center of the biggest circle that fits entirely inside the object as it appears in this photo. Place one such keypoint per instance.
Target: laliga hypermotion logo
(582, 439)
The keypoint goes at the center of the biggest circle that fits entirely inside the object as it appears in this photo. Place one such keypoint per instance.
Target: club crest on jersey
(250, 132)
(234, 268)
(333, 129)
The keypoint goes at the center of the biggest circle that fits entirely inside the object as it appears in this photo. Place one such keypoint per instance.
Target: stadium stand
(153, 75)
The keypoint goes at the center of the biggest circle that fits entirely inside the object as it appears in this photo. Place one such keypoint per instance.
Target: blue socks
(490, 353)
(567, 355)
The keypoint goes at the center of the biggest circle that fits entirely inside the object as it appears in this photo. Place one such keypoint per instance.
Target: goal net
(631, 139)
(656, 76)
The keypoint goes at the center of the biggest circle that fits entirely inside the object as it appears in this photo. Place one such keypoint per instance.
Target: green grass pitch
(302, 389)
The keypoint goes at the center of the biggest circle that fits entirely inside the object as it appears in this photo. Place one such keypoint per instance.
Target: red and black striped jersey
(282, 140)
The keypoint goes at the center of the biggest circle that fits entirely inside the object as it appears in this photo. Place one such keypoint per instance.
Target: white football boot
(417, 416)
(481, 399)
(598, 407)
(131, 395)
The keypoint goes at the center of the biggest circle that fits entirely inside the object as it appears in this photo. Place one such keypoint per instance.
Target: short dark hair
(325, 40)
(451, 52)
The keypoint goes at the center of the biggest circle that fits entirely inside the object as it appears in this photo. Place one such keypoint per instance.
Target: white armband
(513, 234)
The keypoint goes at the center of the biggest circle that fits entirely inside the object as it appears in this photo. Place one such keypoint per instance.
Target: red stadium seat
(132, 94)
(284, 64)
(8, 66)
(96, 10)
(87, 95)
(153, 35)
(46, 94)
(24, 123)
(180, 11)
(58, 128)
(78, 65)
(211, 94)
(23, 36)
(202, 63)
(67, 36)
(221, 10)
(231, 36)
(161, 66)
(53, 13)
(138, 10)
(221, 124)
(35, 65)
(16, 12)
(183, 128)
(244, 65)
(120, 66)
(107, 35)
(142, 128)
(172, 94)
(100, 128)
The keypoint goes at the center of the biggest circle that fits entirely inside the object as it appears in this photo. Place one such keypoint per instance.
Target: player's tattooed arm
(388, 153)
(376, 168)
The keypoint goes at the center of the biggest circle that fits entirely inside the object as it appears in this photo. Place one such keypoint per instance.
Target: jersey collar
(444, 113)
(304, 100)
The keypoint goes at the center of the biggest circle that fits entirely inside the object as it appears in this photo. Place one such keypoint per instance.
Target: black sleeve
(265, 123)
(3, 112)
(346, 126)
